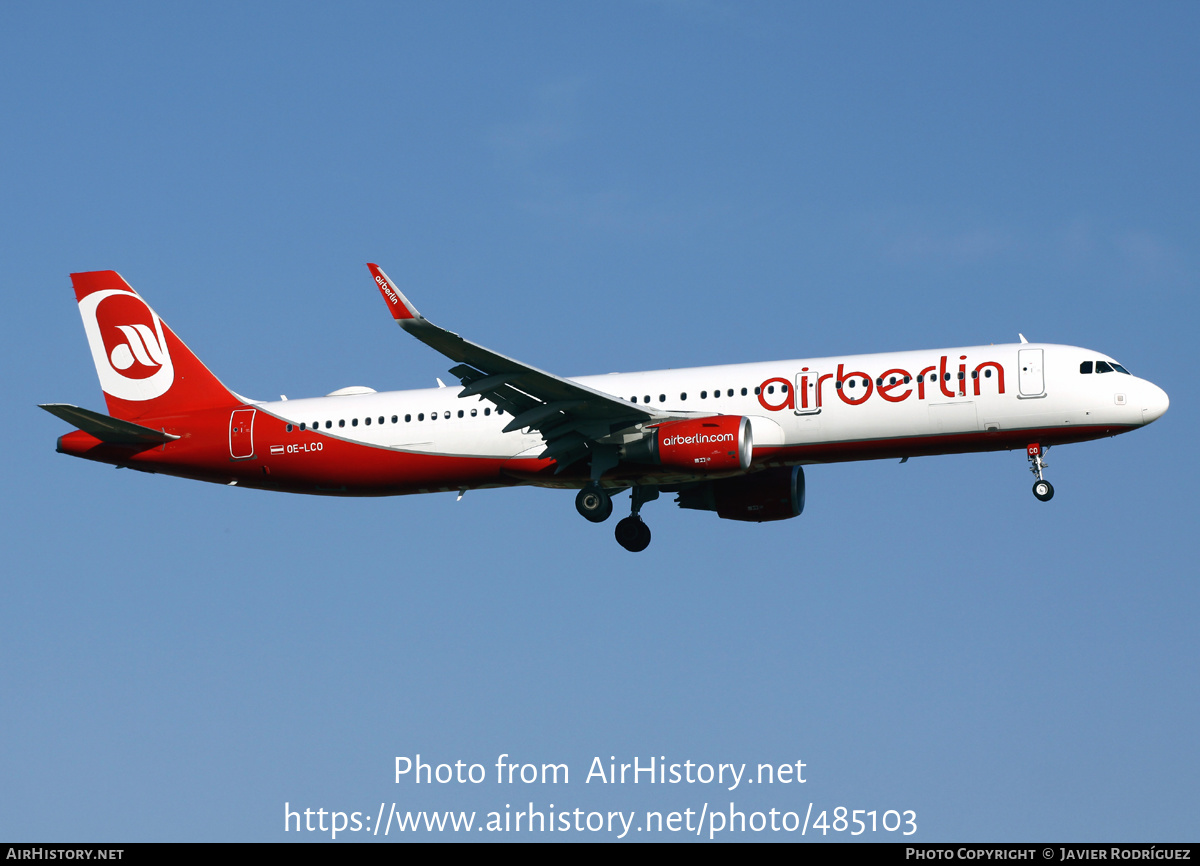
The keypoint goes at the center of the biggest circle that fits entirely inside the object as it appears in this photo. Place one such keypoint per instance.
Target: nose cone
(1154, 403)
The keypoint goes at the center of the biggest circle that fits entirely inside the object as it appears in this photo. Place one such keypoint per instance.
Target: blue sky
(596, 187)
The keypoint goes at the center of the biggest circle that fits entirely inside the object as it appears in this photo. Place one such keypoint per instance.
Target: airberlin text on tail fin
(145, 370)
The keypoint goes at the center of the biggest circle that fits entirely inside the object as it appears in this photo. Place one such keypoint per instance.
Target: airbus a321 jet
(731, 439)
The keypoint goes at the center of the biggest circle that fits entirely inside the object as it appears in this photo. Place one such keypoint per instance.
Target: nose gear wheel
(1042, 488)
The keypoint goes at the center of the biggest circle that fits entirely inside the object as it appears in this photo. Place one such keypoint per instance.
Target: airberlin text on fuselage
(894, 385)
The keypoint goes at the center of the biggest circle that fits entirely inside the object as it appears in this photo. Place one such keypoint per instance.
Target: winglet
(400, 307)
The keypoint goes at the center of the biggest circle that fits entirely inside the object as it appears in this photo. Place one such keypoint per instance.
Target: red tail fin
(144, 369)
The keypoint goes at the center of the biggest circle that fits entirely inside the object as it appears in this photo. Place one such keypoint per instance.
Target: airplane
(731, 439)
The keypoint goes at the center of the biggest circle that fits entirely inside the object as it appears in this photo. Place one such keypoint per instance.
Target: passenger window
(743, 392)
(408, 419)
(783, 388)
(770, 389)
(646, 399)
(367, 421)
(460, 413)
(683, 396)
(487, 411)
(474, 412)
(328, 424)
(289, 428)
(420, 416)
(633, 399)
(703, 395)
(341, 422)
(662, 398)
(987, 374)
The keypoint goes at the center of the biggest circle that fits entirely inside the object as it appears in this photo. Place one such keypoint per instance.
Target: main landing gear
(1042, 488)
(595, 504)
(632, 534)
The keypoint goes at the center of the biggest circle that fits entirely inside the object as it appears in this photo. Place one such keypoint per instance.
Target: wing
(571, 418)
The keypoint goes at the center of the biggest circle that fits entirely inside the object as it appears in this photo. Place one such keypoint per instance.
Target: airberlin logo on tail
(141, 346)
(128, 345)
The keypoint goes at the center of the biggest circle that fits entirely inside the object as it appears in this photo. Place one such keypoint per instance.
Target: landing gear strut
(593, 503)
(1042, 488)
(632, 534)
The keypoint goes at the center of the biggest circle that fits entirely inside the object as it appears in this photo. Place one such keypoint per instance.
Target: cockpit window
(1120, 369)
(1103, 367)
(1085, 367)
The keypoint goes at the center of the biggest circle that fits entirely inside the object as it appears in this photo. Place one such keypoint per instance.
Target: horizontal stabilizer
(114, 431)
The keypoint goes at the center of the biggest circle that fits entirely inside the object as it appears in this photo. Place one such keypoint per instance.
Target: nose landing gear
(1042, 488)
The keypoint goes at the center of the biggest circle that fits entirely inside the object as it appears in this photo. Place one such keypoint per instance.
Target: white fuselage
(973, 398)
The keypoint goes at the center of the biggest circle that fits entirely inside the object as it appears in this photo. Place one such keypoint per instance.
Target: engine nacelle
(773, 494)
(721, 443)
